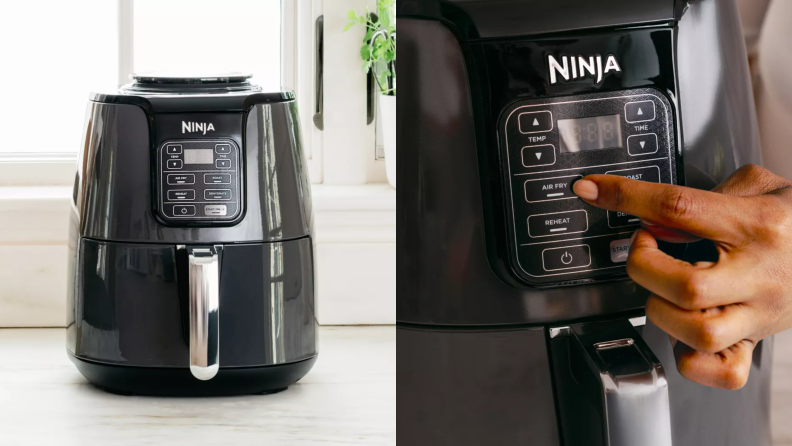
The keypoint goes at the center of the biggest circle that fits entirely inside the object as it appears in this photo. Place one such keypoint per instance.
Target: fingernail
(673, 341)
(632, 239)
(586, 189)
(647, 222)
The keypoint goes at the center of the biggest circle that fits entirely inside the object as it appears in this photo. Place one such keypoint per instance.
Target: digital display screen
(198, 156)
(599, 132)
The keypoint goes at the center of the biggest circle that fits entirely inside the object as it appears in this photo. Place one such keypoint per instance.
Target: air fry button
(546, 225)
(566, 258)
(548, 189)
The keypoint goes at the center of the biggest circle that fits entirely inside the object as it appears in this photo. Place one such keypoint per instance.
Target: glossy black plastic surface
(450, 209)
(114, 198)
(128, 304)
(455, 88)
(492, 19)
(544, 231)
(154, 381)
(474, 387)
(183, 103)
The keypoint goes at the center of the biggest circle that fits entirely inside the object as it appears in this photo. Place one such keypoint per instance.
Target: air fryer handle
(635, 408)
(204, 320)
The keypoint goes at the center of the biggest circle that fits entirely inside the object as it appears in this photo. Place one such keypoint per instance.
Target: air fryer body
(493, 331)
(156, 188)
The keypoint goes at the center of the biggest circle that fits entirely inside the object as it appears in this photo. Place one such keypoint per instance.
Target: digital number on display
(599, 132)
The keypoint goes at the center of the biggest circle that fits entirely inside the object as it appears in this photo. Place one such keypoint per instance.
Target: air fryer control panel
(199, 181)
(548, 144)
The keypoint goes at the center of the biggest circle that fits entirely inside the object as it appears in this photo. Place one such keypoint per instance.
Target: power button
(566, 258)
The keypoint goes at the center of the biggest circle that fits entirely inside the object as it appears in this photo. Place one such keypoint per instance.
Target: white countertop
(348, 398)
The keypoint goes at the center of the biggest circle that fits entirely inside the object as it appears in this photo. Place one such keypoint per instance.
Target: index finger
(702, 213)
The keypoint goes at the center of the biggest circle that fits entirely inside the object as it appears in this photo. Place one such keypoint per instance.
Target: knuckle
(752, 171)
(686, 365)
(676, 203)
(708, 337)
(776, 221)
(695, 292)
(735, 375)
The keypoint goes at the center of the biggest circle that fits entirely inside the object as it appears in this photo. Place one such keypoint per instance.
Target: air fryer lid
(189, 83)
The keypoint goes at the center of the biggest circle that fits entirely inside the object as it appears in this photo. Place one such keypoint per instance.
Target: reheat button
(545, 225)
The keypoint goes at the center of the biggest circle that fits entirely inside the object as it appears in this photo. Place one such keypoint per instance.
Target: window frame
(58, 169)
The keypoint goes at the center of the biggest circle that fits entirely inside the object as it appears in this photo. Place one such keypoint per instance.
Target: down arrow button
(543, 155)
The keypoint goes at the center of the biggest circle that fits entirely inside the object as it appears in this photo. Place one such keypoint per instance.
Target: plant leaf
(349, 25)
(351, 15)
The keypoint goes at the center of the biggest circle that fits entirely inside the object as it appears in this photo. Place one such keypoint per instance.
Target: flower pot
(387, 115)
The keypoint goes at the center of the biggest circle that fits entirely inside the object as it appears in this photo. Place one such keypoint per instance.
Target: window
(54, 53)
(209, 36)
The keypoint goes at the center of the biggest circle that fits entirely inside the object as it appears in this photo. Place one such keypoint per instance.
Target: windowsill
(38, 215)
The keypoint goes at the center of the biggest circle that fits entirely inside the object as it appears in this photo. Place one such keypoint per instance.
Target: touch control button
(548, 189)
(620, 219)
(642, 144)
(217, 178)
(566, 258)
(215, 210)
(223, 148)
(173, 149)
(185, 194)
(535, 122)
(619, 250)
(639, 111)
(223, 164)
(174, 164)
(217, 194)
(183, 210)
(649, 174)
(177, 178)
(543, 155)
(545, 225)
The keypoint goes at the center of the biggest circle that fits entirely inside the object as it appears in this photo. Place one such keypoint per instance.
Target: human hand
(722, 309)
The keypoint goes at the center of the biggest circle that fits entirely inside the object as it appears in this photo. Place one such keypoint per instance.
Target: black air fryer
(518, 324)
(191, 260)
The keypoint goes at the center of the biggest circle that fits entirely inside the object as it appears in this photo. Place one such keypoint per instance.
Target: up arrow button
(535, 122)
(640, 111)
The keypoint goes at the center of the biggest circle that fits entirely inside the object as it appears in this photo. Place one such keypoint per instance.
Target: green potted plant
(379, 55)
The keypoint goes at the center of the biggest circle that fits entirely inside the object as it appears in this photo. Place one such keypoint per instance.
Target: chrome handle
(204, 312)
(318, 117)
(633, 386)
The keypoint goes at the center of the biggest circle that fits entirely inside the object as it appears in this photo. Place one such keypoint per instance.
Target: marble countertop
(348, 398)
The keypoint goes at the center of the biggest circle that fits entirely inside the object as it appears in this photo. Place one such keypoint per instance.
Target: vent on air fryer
(180, 83)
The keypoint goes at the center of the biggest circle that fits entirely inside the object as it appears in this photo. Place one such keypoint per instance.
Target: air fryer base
(161, 381)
